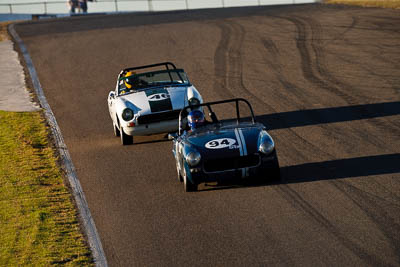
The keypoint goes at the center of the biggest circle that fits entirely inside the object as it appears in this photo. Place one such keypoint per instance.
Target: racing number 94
(220, 143)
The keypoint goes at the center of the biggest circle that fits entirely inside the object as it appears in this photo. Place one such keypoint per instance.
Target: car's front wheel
(276, 171)
(188, 185)
(180, 179)
(116, 130)
(125, 139)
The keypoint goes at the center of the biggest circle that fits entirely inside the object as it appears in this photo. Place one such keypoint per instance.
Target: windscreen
(226, 114)
(146, 80)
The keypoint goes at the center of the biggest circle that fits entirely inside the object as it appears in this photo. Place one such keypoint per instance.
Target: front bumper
(263, 169)
(152, 128)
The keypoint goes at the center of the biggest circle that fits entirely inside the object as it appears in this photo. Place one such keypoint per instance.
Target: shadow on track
(342, 168)
(328, 115)
(325, 170)
(150, 139)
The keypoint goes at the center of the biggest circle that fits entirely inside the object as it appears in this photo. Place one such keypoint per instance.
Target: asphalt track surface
(324, 79)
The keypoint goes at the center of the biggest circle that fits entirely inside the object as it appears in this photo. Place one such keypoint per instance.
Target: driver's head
(130, 79)
(195, 119)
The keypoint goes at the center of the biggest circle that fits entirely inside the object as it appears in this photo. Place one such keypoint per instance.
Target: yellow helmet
(129, 81)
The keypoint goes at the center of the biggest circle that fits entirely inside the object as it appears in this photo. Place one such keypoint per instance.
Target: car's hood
(156, 100)
(214, 142)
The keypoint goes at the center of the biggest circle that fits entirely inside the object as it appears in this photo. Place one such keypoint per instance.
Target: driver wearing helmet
(196, 119)
(130, 80)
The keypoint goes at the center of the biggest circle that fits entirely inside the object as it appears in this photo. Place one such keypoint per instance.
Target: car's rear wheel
(188, 185)
(125, 139)
(116, 130)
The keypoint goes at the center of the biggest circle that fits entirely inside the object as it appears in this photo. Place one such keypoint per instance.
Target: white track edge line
(87, 219)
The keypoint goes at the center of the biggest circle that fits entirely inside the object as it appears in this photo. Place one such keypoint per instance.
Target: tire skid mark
(292, 195)
(276, 68)
(297, 201)
(270, 45)
(287, 193)
(237, 50)
(322, 71)
(236, 61)
(340, 36)
(220, 64)
(224, 55)
(315, 71)
(332, 83)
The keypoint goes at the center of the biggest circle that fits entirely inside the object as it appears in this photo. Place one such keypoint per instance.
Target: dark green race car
(223, 148)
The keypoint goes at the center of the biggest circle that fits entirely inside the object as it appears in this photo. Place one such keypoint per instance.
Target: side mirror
(172, 136)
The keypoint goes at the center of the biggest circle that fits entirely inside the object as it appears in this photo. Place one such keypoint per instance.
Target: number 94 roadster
(218, 150)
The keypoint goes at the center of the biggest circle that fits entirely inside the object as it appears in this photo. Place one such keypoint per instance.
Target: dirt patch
(3, 31)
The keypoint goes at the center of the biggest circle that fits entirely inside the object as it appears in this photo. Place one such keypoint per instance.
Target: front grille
(225, 164)
(157, 117)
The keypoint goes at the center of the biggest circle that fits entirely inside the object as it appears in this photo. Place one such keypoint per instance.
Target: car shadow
(334, 169)
(342, 168)
(324, 170)
(308, 117)
(150, 139)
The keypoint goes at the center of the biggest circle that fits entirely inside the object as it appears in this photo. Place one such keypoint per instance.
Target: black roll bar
(208, 104)
(166, 64)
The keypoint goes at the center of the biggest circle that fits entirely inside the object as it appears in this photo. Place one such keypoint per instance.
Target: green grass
(38, 220)
(367, 3)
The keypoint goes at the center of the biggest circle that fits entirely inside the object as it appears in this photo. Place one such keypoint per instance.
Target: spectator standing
(73, 4)
(83, 6)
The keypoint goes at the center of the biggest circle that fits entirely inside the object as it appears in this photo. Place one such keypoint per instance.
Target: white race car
(149, 102)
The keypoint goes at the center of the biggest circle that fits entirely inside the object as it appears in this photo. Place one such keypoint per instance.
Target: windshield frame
(177, 77)
(234, 121)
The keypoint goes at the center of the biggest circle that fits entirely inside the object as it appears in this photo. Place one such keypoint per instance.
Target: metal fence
(52, 7)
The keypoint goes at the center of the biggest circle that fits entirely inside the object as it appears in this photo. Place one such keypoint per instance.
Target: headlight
(265, 143)
(127, 114)
(266, 147)
(193, 158)
(194, 101)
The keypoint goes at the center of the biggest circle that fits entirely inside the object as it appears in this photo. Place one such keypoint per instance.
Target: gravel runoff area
(13, 93)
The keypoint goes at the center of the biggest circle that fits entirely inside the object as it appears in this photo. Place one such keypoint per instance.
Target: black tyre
(272, 173)
(125, 139)
(116, 130)
(276, 171)
(188, 186)
(180, 179)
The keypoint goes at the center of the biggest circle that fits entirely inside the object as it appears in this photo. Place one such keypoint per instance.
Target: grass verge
(38, 220)
(367, 3)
